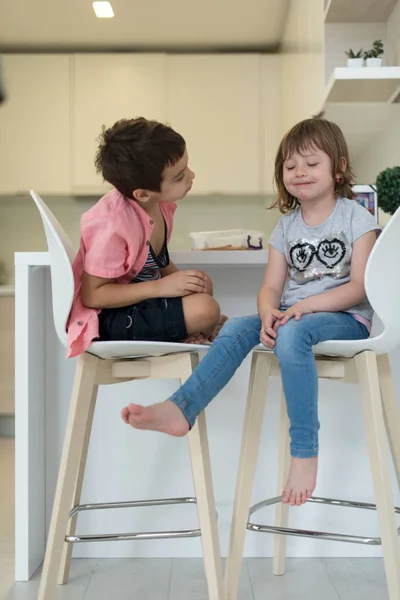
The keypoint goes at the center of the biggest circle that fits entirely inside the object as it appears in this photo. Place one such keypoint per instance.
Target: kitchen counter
(181, 258)
(124, 464)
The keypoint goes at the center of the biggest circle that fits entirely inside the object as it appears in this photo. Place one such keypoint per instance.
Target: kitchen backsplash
(21, 228)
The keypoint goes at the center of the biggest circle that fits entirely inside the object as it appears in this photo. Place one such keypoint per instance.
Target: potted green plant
(373, 56)
(355, 59)
(388, 189)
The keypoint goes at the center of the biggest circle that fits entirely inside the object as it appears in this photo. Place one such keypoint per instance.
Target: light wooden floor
(183, 579)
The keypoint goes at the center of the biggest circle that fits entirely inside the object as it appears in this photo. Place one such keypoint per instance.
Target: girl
(313, 291)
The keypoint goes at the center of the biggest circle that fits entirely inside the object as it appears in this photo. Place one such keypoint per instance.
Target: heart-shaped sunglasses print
(331, 252)
(301, 255)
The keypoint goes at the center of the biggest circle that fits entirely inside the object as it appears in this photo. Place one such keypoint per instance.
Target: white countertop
(190, 257)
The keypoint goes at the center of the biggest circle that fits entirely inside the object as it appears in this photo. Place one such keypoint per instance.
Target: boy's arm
(97, 292)
(172, 268)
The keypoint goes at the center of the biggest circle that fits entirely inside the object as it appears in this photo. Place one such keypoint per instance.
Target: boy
(124, 240)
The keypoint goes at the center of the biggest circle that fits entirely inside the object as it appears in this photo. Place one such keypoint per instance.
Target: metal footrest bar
(117, 537)
(335, 537)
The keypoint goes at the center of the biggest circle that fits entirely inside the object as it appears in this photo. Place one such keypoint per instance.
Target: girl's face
(308, 176)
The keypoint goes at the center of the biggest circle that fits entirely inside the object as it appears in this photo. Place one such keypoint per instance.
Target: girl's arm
(270, 294)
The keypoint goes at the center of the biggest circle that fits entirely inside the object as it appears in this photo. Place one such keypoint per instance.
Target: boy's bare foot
(220, 324)
(301, 482)
(163, 416)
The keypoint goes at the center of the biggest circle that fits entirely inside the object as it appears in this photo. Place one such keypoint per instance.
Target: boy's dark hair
(133, 154)
(308, 134)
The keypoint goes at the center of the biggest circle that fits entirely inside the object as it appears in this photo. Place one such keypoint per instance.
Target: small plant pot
(353, 63)
(374, 62)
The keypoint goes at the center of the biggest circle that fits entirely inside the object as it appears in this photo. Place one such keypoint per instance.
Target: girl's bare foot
(163, 416)
(301, 482)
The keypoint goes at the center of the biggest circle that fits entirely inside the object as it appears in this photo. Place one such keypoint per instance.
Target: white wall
(392, 51)
(302, 62)
(385, 150)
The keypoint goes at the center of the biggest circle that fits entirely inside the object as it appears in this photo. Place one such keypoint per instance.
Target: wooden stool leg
(204, 492)
(391, 410)
(259, 375)
(367, 373)
(282, 510)
(71, 528)
(79, 414)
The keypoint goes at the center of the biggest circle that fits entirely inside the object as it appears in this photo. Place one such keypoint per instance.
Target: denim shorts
(153, 320)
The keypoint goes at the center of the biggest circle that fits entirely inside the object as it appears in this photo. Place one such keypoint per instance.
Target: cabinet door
(214, 103)
(7, 355)
(271, 117)
(107, 88)
(35, 124)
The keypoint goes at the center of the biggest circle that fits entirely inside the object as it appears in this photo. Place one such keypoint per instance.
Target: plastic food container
(229, 239)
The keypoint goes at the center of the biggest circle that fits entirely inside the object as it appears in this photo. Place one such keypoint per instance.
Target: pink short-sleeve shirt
(114, 243)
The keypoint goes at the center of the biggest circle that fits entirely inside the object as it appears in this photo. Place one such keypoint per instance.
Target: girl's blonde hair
(306, 135)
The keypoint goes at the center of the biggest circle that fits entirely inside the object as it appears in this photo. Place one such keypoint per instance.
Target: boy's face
(176, 182)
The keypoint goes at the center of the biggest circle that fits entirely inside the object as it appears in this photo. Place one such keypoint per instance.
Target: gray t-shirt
(319, 258)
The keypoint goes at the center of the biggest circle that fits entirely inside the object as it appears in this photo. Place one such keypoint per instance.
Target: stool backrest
(382, 283)
(61, 256)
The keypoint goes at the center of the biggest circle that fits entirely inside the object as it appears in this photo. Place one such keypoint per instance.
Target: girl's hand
(269, 321)
(296, 311)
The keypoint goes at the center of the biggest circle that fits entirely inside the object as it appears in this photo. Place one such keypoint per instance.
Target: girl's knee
(293, 337)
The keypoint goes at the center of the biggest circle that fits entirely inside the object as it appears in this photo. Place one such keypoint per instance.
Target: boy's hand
(270, 321)
(182, 283)
(296, 311)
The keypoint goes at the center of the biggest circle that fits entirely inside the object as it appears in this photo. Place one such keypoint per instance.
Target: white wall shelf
(358, 11)
(360, 101)
(363, 85)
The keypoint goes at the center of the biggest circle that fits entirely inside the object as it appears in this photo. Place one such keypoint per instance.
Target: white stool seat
(126, 349)
(335, 348)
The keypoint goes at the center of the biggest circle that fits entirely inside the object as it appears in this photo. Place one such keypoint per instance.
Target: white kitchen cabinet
(214, 102)
(271, 117)
(35, 124)
(107, 88)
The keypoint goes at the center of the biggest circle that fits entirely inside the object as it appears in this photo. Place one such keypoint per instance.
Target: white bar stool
(365, 362)
(105, 363)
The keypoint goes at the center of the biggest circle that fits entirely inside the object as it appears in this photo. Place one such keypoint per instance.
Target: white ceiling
(142, 24)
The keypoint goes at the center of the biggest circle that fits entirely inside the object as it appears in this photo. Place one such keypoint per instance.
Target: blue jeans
(298, 369)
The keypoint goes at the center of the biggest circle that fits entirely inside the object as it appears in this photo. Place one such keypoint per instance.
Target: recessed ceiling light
(103, 10)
